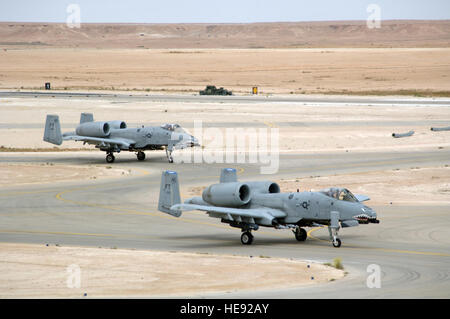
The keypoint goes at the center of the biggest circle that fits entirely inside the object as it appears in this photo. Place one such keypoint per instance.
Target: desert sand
(40, 271)
(392, 33)
(401, 58)
(408, 57)
(379, 71)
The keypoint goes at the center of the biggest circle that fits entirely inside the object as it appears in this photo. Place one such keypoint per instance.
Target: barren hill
(402, 33)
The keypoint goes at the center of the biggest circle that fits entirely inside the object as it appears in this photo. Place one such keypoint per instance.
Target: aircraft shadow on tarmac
(96, 160)
(224, 241)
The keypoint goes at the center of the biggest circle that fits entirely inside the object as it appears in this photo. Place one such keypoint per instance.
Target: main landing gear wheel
(140, 156)
(110, 158)
(246, 238)
(337, 243)
(300, 234)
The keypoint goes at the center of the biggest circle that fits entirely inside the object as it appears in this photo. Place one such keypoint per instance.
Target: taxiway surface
(410, 245)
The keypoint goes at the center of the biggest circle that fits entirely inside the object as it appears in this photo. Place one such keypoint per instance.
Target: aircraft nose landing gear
(334, 228)
(334, 237)
(337, 242)
(169, 155)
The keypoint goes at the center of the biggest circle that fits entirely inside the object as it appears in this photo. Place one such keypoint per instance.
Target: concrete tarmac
(260, 99)
(411, 244)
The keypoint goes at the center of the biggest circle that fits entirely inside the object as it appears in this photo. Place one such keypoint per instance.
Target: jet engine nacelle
(93, 129)
(117, 125)
(227, 194)
(265, 187)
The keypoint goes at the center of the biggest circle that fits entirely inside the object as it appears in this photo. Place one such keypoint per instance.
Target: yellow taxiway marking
(28, 192)
(398, 251)
(14, 231)
(412, 252)
(187, 220)
(59, 196)
(315, 238)
(131, 211)
(269, 124)
(141, 171)
(362, 164)
(54, 233)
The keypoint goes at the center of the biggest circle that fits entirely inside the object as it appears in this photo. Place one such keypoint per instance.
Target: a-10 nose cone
(368, 215)
(194, 141)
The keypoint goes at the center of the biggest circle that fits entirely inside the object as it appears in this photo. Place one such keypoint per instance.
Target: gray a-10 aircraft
(114, 136)
(252, 204)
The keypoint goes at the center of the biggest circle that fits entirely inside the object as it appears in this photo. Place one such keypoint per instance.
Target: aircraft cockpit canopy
(173, 128)
(339, 194)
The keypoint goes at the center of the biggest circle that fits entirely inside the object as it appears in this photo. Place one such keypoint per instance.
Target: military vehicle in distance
(212, 90)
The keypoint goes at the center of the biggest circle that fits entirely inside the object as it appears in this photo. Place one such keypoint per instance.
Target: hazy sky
(167, 11)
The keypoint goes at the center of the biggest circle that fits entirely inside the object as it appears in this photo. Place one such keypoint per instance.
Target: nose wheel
(337, 242)
(334, 237)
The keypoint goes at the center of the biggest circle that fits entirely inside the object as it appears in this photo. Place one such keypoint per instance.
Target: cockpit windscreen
(339, 194)
(173, 128)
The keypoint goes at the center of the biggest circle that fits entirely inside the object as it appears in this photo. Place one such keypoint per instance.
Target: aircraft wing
(122, 142)
(264, 215)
